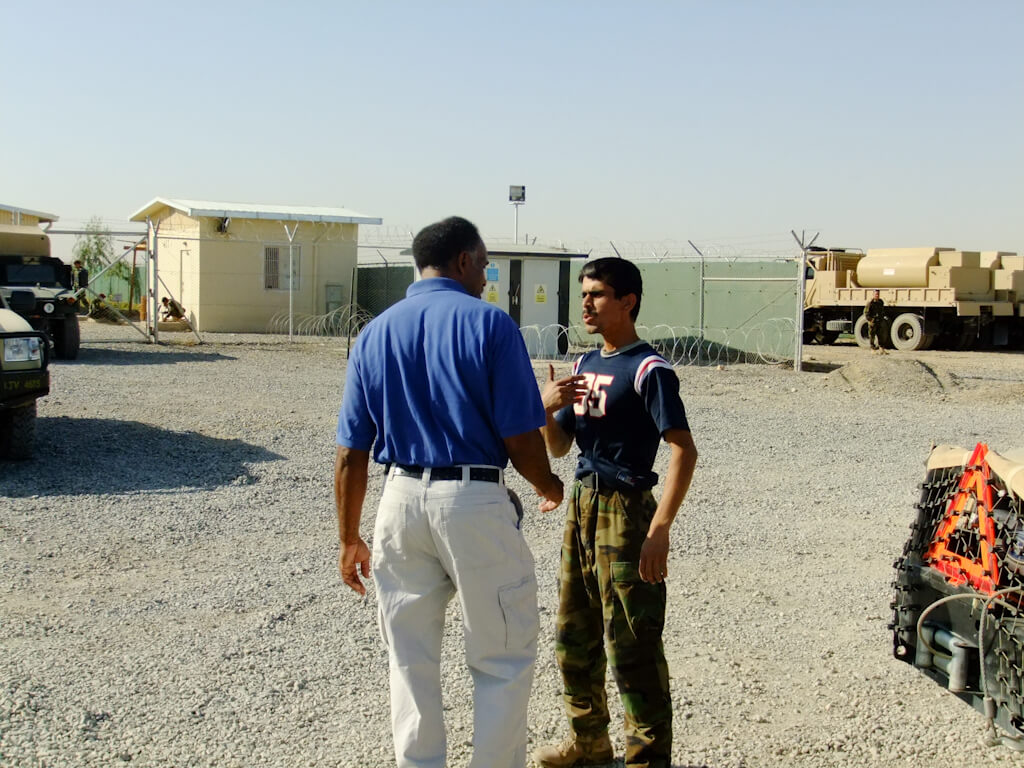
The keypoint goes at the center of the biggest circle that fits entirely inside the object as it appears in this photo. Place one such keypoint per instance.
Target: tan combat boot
(576, 751)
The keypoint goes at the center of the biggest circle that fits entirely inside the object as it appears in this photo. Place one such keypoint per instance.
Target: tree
(95, 249)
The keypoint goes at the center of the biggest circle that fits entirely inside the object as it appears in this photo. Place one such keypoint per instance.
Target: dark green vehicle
(27, 266)
(24, 378)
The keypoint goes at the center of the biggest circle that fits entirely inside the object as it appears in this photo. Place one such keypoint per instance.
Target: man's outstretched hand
(551, 495)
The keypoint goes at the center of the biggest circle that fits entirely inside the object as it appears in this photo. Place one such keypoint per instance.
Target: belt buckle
(407, 471)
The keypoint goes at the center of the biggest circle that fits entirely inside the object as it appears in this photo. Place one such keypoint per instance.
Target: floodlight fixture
(517, 196)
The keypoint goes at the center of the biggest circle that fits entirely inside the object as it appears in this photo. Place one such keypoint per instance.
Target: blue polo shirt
(438, 379)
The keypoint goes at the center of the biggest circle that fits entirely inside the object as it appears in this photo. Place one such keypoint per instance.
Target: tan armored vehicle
(26, 266)
(23, 376)
(933, 296)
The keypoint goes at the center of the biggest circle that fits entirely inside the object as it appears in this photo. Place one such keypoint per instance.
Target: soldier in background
(81, 275)
(80, 281)
(874, 312)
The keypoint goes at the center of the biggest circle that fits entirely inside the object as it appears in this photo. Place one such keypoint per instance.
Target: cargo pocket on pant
(519, 608)
(643, 604)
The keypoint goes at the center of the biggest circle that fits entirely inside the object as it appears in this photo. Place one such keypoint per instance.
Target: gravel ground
(169, 593)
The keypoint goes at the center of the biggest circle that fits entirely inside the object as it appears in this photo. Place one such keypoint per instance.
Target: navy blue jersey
(633, 398)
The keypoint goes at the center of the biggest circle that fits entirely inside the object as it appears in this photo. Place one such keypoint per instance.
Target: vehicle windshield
(29, 274)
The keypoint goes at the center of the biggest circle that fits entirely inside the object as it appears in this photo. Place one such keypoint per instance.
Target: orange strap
(974, 494)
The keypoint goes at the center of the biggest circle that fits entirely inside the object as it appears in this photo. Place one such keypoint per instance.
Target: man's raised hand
(558, 394)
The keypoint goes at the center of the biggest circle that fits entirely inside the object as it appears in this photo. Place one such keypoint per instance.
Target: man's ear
(629, 301)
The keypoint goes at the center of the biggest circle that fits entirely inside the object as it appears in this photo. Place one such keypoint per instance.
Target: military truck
(26, 265)
(933, 296)
(24, 378)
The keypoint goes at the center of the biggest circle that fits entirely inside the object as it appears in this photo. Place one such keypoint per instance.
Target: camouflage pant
(601, 596)
(875, 333)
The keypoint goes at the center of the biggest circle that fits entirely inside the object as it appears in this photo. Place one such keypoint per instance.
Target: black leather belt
(596, 482)
(484, 474)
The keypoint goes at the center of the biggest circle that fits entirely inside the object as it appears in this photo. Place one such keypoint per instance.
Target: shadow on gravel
(89, 456)
(816, 367)
(147, 355)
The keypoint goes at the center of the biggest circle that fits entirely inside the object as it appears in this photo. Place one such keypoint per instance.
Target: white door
(539, 314)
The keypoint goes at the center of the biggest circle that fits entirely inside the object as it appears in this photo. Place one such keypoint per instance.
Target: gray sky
(876, 123)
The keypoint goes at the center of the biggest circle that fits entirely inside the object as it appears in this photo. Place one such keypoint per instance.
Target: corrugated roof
(198, 208)
(541, 251)
(506, 249)
(38, 214)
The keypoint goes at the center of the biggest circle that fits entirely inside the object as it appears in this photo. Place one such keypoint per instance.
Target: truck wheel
(18, 432)
(1016, 338)
(819, 336)
(68, 339)
(860, 333)
(907, 332)
(967, 336)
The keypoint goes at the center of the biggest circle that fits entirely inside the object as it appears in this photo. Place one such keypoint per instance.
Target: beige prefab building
(229, 264)
(10, 214)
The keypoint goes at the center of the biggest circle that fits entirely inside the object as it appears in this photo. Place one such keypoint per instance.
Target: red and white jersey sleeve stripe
(647, 365)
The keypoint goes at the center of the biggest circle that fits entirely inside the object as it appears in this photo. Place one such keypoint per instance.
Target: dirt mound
(885, 374)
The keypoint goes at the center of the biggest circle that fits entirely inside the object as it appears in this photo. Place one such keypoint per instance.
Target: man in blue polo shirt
(440, 387)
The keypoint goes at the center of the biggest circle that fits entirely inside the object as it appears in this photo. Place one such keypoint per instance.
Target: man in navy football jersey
(619, 403)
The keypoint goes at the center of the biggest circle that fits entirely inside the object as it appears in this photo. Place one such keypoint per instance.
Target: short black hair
(623, 276)
(438, 244)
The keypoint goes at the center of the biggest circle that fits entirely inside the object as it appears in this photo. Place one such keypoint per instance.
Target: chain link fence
(766, 342)
(697, 314)
(378, 287)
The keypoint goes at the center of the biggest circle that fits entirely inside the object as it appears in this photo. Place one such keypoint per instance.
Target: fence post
(700, 305)
(801, 283)
(351, 310)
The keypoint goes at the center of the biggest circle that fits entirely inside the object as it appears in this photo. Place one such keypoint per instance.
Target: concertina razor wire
(768, 342)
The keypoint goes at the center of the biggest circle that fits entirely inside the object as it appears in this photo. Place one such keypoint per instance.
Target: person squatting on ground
(619, 403)
(441, 387)
(172, 310)
(99, 310)
(874, 313)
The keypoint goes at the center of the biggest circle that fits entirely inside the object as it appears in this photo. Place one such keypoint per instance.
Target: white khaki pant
(433, 540)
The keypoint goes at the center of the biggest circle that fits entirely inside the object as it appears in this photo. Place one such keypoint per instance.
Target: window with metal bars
(275, 267)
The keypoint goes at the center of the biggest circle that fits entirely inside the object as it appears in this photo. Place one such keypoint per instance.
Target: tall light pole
(517, 196)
